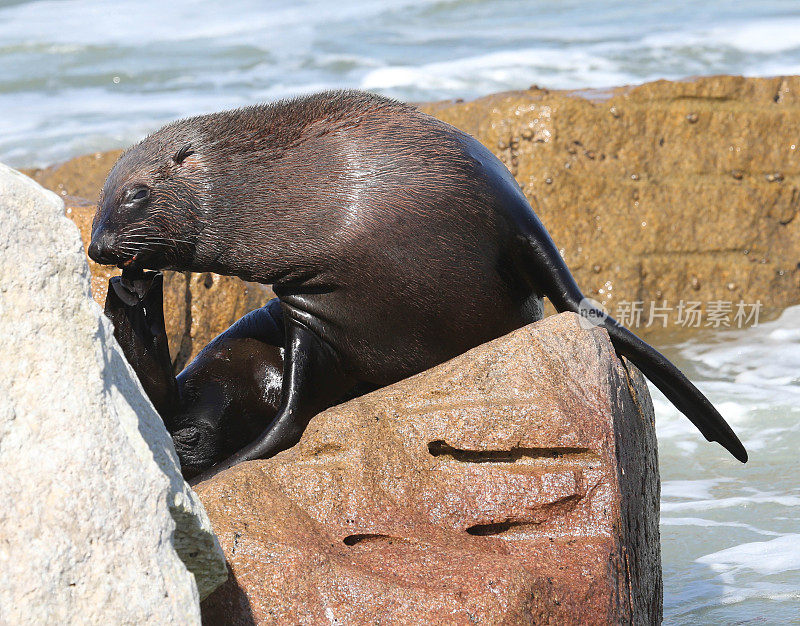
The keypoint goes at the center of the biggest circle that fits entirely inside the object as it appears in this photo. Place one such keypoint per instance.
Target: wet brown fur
(393, 240)
(268, 195)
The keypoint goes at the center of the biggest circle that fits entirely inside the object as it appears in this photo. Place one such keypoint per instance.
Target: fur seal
(229, 392)
(349, 203)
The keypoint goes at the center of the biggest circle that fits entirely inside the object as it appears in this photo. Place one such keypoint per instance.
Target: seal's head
(147, 215)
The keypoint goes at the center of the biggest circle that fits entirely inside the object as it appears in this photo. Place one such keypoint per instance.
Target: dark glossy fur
(350, 203)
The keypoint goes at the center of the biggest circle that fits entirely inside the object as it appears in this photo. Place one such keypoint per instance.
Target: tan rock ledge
(517, 483)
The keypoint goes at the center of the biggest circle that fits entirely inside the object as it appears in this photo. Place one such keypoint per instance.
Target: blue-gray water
(83, 75)
(730, 533)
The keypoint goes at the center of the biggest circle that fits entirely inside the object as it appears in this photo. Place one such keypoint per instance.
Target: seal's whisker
(131, 241)
(137, 231)
(138, 248)
(155, 238)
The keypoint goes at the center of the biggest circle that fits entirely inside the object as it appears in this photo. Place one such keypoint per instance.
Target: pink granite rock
(516, 483)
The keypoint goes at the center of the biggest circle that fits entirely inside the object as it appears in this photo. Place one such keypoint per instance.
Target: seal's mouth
(105, 249)
(140, 262)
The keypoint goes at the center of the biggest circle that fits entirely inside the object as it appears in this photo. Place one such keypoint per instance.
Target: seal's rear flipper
(676, 387)
(134, 304)
(554, 280)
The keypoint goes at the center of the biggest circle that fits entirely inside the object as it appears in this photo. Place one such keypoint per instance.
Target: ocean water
(83, 75)
(730, 533)
(78, 76)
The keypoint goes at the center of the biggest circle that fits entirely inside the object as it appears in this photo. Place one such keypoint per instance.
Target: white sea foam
(498, 70)
(95, 22)
(707, 523)
(754, 36)
(691, 489)
(787, 501)
(776, 556)
(745, 373)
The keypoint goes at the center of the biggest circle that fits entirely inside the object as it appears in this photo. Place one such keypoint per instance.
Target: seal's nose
(100, 247)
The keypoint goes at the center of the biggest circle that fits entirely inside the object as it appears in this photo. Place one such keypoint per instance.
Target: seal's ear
(183, 153)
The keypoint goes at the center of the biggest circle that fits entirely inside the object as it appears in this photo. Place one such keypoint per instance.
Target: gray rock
(96, 524)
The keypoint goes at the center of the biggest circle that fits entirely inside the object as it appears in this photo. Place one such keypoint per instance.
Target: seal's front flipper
(313, 380)
(134, 304)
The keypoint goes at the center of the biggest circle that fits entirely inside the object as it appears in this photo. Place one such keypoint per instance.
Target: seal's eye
(141, 194)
